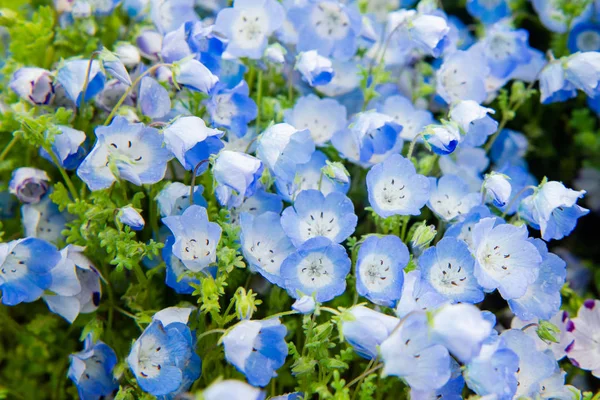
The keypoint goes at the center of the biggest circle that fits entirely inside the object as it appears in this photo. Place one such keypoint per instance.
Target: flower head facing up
(29, 184)
(322, 117)
(92, 370)
(232, 108)
(451, 198)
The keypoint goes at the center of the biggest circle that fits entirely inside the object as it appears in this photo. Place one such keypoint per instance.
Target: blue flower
(410, 354)
(282, 148)
(114, 66)
(452, 390)
(412, 119)
(366, 329)
(25, 269)
(304, 305)
(463, 228)
(168, 15)
(195, 76)
(317, 267)
(583, 351)
(474, 121)
(175, 276)
(395, 188)
(584, 36)
(92, 370)
(410, 30)
(232, 109)
(163, 359)
(504, 48)
(43, 220)
(554, 387)
(497, 187)
(488, 11)
(314, 214)
(67, 147)
(509, 147)
(260, 202)
(75, 285)
(553, 210)
(560, 79)
(149, 43)
(504, 258)
(519, 179)
(564, 337)
(33, 84)
(237, 176)
(443, 139)
(380, 269)
(467, 163)
(448, 268)
(191, 141)
(315, 69)
(542, 299)
(418, 295)
(553, 17)
(322, 117)
(196, 238)
(451, 197)
(264, 244)
(232, 390)
(257, 349)
(128, 54)
(29, 184)
(462, 77)
(247, 26)
(131, 217)
(153, 99)
(133, 151)
(72, 76)
(174, 199)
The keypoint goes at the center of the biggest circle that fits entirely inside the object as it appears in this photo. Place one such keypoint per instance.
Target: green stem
(140, 275)
(210, 333)
(64, 175)
(364, 374)
(153, 214)
(413, 143)
(369, 366)
(86, 82)
(516, 196)
(330, 310)
(193, 181)
(259, 85)
(281, 314)
(8, 147)
(404, 226)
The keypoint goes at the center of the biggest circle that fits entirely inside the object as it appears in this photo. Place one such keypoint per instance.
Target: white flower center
(152, 356)
(193, 249)
(501, 47)
(330, 21)
(13, 267)
(391, 194)
(320, 224)
(588, 41)
(225, 109)
(448, 277)
(250, 28)
(266, 256)
(315, 271)
(376, 272)
(495, 260)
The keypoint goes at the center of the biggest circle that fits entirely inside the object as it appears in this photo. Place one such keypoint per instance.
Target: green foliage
(31, 42)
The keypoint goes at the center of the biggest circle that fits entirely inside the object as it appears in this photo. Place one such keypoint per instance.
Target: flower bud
(336, 172)
(304, 305)
(29, 184)
(422, 237)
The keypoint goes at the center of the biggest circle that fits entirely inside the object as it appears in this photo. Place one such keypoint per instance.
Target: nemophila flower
(462, 329)
(504, 258)
(554, 387)
(553, 209)
(412, 119)
(315, 69)
(132, 152)
(584, 352)
(314, 215)
(412, 29)
(534, 365)
(25, 269)
(488, 11)
(318, 267)
(264, 244)
(395, 188)
(247, 26)
(371, 138)
(33, 84)
(194, 75)
(175, 276)
(520, 178)
(153, 98)
(237, 176)
(560, 79)
(43, 220)
(128, 54)
(463, 229)
(327, 26)
(233, 390)
(163, 359)
(260, 202)
(564, 338)
(462, 77)
(192, 142)
(282, 148)
(132, 218)
(493, 371)
(410, 354)
(196, 238)
(322, 117)
(174, 199)
(509, 147)
(452, 390)
(380, 269)
(232, 109)
(442, 139)
(418, 295)
(29, 184)
(448, 268)
(474, 121)
(113, 65)
(149, 42)
(584, 36)
(552, 16)
(91, 370)
(110, 96)
(497, 188)
(67, 147)
(542, 299)
(304, 305)
(468, 163)
(72, 75)
(451, 197)
(168, 15)
(365, 329)
(257, 349)
(75, 285)
(504, 48)
(289, 396)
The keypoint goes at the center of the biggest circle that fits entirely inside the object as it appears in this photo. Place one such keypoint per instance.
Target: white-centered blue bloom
(497, 188)
(417, 30)
(91, 370)
(196, 238)
(176, 276)
(232, 108)
(132, 218)
(232, 390)
(322, 117)
(282, 148)
(365, 329)
(448, 267)
(29, 184)
(463, 228)
(175, 198)
(584, 37)
(264, 244)
(237, 176)
(442, 139)
(260, 202)
(474, 121)
(560, 79)
(304, 305)
(318, 267)
(168, 15)
(153, 100)
(462, 77)
(67, 147)
(132, 151)
(247, 26)
(315, 69)
(554, 387)
(72, 75)
(452, 390)
(488, 11)
(257, 349)
(395, 188)
(504, 49)
(468, 163)
(314, 215)
(412, 119)
(26, 269)
(163, 359)
(585, 330)
(327, 26)
(195, 76)
(451, 197)
(43, 220)
(380, 269)
(418, 295)
(33, 84)
(411, 354)
(504, 258)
